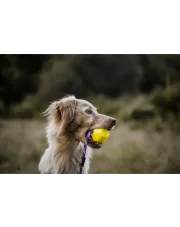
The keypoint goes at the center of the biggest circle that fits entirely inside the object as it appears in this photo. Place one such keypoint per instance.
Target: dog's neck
(66, 154)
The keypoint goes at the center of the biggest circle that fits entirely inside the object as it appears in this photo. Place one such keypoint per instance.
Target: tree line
(52, 76)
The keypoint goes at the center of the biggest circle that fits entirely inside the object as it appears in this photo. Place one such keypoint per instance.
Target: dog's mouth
(94, 145)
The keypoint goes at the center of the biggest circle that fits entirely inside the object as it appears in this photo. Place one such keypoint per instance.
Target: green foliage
(25, 109)
(137, 108)
(152, 68)
(49, 77)
(18, 77)
(110, 75)
(54, 78)
(167, 101)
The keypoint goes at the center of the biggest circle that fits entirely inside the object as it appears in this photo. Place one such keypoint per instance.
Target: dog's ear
(62, 111)
(66, 109)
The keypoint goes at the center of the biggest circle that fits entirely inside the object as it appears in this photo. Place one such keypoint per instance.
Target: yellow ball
(100, 135)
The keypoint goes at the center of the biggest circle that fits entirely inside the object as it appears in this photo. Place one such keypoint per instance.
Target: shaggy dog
(69, 120)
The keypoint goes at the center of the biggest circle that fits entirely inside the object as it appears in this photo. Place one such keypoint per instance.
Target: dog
(69, 120)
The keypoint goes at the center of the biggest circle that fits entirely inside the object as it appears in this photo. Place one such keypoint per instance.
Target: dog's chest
(64, 163)
(70, 163)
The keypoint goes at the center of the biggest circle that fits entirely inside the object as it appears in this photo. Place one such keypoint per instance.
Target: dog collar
(83, 156)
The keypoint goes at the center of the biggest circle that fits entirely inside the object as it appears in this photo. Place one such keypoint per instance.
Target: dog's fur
(69, 119)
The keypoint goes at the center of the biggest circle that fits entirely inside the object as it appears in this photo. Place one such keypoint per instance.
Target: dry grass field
(128, 150)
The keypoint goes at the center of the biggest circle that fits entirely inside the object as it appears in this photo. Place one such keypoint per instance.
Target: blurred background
(141, 91)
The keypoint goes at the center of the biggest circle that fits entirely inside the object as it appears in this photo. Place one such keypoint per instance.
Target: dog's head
(75, 117)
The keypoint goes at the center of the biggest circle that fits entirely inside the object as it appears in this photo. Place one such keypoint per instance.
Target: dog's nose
(113, 121)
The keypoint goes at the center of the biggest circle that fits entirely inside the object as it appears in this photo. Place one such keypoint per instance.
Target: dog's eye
(88, 111)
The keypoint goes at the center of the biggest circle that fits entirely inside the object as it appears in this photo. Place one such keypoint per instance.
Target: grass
(128, 150)
(21, 145)
(139, 151)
